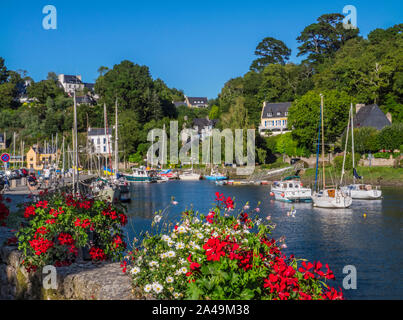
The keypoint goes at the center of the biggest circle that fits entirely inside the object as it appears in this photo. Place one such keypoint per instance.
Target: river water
(372, 244)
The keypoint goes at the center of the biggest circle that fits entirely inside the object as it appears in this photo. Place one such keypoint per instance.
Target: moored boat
(141, 175)
(290, 189)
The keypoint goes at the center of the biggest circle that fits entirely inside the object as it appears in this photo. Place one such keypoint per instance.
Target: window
(104, 140)
(104, 149)
(286, 113)
(98, 141)
(278, 113)
(270, 114)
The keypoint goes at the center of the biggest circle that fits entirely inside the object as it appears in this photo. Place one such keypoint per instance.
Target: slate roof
(90, 86)
(271, 110)
(85, 99)
(194, 101)
(71, 79)
(98, 131)
(371, 116)
(201, 123)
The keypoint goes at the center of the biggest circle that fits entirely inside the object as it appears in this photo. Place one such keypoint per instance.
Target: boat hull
(292, 196)
(190, 177)
(215, 178)
(337, 202)
(139, 179)
(362, 194)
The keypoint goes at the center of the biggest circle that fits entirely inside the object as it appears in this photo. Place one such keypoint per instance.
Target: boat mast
(345, 148)
(323, 142)
(75, 147)
(352, 139)
(317, 151)
(116, 138)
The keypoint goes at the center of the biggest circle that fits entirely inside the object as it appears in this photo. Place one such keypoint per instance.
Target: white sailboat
(356, 190)
(327, 197)
(189, 175)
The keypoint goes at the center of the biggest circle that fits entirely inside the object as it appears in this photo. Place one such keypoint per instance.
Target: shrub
(60, 225)
(4, 211)
(338, 161)
(223, 256)
(382, 155)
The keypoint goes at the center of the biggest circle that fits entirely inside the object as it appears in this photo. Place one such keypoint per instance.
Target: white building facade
(100, 141)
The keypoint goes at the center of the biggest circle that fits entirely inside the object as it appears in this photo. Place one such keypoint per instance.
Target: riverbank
(382, 176)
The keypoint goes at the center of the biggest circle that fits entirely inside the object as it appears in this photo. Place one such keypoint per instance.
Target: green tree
(304, 117)
(320, 40)
(270, 51)
(391, 137)
(214, 112)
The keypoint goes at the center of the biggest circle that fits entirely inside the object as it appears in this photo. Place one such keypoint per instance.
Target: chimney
(79, 77)
(389, 116)
(358, 106)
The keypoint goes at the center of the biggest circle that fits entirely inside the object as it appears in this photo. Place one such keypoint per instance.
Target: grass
(374, 175)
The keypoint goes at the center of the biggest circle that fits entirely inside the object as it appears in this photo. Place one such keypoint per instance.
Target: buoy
(364, 215)
(282, 195)
(272, 194)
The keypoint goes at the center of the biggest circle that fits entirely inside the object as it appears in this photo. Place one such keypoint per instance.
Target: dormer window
(270, 114)
(278, 113)
(286, 113)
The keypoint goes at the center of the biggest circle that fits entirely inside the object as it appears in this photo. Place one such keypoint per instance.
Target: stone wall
(80, 281)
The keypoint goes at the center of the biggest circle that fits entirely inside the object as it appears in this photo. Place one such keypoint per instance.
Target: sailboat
(215, 175)
(327, 197)
(189, 175)
(356, 190)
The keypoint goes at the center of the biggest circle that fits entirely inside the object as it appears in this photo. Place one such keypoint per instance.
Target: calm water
(337, 237)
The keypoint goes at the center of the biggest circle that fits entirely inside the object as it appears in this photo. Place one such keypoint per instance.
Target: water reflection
(340, 237)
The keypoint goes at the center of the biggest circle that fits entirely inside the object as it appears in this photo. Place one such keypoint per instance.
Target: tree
(322, 39)
(391, 137)
(3, 71)
(52, 76)
(304, 116)
(43, 89)
(101, 70)
(270, 51)
(214, 112)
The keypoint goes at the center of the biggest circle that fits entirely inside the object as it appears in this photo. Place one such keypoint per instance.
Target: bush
(338, 161)
(382, 155)
(60, 225)
(391, 137)
(223, 256)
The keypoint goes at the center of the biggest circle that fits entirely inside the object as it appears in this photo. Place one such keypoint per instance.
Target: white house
(100, 143)
(274, 118)
(71, 83)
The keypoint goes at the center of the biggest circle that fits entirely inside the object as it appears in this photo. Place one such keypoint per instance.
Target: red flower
(305, 270)
(65, 238)
(97, 254)
(332, 294)
(50, 221)
(229, 203)
(210, 216)
(29, 211)
(42, 204)
(219, 196)
(123, 219)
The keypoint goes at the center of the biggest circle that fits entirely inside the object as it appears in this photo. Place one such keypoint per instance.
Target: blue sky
(192, 45)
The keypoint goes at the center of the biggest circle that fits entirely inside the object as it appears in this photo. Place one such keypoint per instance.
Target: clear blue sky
(192, 45)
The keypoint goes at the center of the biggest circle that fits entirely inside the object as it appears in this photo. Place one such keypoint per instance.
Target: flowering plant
(59, 226)
(4, 211)
(223, 255)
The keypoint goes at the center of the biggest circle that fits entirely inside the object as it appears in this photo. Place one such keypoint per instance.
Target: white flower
(170, 243)
(200, 235)
(148, 288)
(135, 270)
(182, 229)
(196, 220)
(215, 234)
(183, 270)
(163, 255)
(197, 247)
(171, 254)
(174, 203)
(153, 264)
(173, 236)
(246, 207)
(177, 295)
(178, 272)
(157, 287)
(157, 218)
(180, 245)
(182, 261)
(169, 279)
(165, 238)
